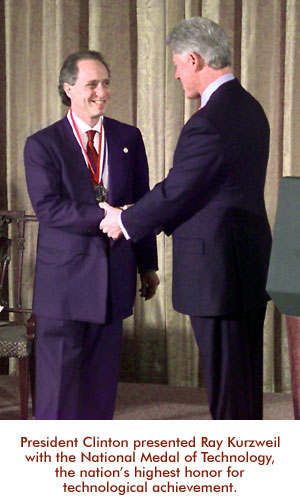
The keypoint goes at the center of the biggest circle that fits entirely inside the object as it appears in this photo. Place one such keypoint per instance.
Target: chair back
(12, 246)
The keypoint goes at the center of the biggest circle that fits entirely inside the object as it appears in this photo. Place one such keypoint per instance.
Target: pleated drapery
(265, 40)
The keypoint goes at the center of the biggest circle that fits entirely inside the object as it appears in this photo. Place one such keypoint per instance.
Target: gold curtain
(265, 40)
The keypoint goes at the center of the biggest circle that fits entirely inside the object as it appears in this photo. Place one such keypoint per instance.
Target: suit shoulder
(121, 126)
(231, 105)
(232, 96)
(49, 133)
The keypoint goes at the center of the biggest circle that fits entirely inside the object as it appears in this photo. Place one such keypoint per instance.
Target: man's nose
(101, 89)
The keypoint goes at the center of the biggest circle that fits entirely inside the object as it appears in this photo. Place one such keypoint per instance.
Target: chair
(17, 336)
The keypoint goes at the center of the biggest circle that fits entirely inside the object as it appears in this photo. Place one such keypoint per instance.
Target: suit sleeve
(198, 163)
(145, 248)
(49, 197)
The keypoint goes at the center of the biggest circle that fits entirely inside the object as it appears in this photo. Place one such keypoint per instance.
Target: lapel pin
(125, 150)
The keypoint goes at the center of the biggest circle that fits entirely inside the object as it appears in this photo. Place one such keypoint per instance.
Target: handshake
(111, 226)
(111, 222)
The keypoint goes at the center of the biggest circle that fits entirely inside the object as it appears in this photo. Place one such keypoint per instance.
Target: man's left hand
(110, 224)
(149, 284)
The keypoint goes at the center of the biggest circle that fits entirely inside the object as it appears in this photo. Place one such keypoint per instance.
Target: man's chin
(99, 111)
(192, 96)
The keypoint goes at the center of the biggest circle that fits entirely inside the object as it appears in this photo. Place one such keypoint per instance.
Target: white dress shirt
(82, 129)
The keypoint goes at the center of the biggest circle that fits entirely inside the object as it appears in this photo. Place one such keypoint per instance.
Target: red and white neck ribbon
(96, 174)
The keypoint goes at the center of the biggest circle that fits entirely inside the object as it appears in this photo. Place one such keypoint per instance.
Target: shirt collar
(212, 87)
(84, 127)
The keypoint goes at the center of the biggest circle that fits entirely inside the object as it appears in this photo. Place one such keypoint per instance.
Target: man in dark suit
(85, 283)
(212, 202)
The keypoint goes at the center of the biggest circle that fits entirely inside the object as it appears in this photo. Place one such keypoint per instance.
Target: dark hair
(69, 70)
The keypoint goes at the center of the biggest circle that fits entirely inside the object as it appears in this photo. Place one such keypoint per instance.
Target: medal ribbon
(95, 175)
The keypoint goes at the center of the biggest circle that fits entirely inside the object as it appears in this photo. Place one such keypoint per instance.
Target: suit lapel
(74, 160)
(117, 164)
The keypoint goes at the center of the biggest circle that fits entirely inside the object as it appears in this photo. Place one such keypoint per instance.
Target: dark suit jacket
(212, 201)
(79, 272)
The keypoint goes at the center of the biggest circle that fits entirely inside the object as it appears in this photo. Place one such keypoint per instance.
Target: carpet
(153, 402)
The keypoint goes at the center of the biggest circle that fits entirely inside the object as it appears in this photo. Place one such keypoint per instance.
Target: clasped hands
(110, 225)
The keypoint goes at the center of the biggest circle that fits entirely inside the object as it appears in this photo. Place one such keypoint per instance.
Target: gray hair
(69, 70)
(204, 37)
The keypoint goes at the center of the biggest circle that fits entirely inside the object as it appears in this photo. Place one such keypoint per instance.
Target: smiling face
(91, 92)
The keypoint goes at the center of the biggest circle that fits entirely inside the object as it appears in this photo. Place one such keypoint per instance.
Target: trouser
(77, 369)
(231, 350)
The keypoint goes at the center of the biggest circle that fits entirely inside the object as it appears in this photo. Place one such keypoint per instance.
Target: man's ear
(67, 89)
(196, 61)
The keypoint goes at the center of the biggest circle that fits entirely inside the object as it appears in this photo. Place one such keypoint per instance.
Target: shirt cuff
(123, 228)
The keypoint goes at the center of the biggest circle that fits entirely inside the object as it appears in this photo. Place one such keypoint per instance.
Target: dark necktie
(91, 151)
